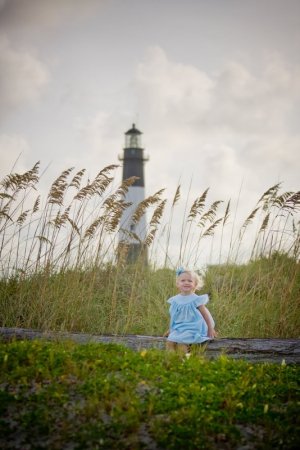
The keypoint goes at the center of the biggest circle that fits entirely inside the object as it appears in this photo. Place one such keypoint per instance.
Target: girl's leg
(183, 348)
(179, 348)
(171, 346)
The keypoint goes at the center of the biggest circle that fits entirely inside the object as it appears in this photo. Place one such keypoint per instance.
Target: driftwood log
(252, 350)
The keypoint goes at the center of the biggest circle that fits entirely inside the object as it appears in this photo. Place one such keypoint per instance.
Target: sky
(213, 85)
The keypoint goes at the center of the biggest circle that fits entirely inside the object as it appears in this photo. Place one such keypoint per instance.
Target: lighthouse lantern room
(133, 165)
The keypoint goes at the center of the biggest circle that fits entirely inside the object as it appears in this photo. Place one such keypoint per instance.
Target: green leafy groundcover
(105, 396)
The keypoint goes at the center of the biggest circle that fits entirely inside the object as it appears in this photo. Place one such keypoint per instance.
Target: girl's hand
(211, 333)
(166, 334)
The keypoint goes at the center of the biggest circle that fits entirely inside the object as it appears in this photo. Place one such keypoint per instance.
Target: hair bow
(179, 271)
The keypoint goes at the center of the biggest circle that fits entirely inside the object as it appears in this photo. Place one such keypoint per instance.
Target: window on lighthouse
(134, 141)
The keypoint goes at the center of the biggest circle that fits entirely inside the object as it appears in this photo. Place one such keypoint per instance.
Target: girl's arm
(211, 333)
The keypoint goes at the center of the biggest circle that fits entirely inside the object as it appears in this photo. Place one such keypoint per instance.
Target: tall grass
(62, 266)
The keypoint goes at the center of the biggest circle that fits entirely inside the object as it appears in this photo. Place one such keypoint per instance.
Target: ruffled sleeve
(201, 300)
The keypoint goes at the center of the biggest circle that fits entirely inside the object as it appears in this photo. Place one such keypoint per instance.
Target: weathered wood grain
(254, 350)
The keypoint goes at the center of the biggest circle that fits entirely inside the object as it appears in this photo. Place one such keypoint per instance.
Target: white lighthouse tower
(133, 165)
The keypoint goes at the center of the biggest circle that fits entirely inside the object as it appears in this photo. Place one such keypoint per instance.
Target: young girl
(190, 320)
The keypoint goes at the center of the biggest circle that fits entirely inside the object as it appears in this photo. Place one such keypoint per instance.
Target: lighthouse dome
(133, 130)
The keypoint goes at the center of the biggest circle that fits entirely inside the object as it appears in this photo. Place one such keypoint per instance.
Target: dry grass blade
(22, 217)
(6, 196)
(61, 219)
(143, 205)
(193, 211)
(101, 184)
(75, 182)
(270, 192)
(293, 201)
(197, 206)
(250, 218)
(210, 214)
(43, 239)
(90, 231)
(114, 198)
(150, 236)
(113, 214)
(158, 212)
(17, 181)
(264, 223)
(176, 196)
(269, 196)
(58, 188)
(123, 189)
(112, 224)
(97, 186)
(280, 201)
(210, 230)
(130, 235)
(74, 226)
(36, 204)
(227, 213)
(85, 192)
(4, 213)
(106, 169)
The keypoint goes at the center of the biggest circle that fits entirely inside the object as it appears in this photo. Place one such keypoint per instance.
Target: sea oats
(100, 185)
(211, 229)
(158, 212)
(264, 223)
(58, 188)
(74, 226)
(36, 204)
(227, 213)
(85, 192)
(4, 213)
(176, 196)
(280, 201)
(4, 195)
(22, 217)
(77, 179)
(143, 205)
(113, 214)
(61, 218)
(43, 239)
(150, 236)
(293, 201)
(107, 169)
(126, 184)
(270, 192)
(197, 206)
(130, 235)
(91, 230)
(210, 214)
(250, 217)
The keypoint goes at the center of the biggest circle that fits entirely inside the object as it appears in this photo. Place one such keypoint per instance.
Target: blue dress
(187, 325)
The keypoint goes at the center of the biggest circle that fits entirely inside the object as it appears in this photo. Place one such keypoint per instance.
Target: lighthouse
(133, 166)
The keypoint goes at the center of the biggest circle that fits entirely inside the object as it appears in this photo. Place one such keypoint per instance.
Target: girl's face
(186, 283)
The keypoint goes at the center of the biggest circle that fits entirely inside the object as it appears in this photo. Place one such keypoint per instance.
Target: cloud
(23, 77)
(248, 103)
(171, 91)
(223, 127)
(13, 149)
(40, 14)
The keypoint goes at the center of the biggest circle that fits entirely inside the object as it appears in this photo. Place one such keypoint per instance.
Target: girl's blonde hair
(198, 279)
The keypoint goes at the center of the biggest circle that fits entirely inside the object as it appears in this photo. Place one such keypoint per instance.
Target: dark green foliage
(63, 395)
